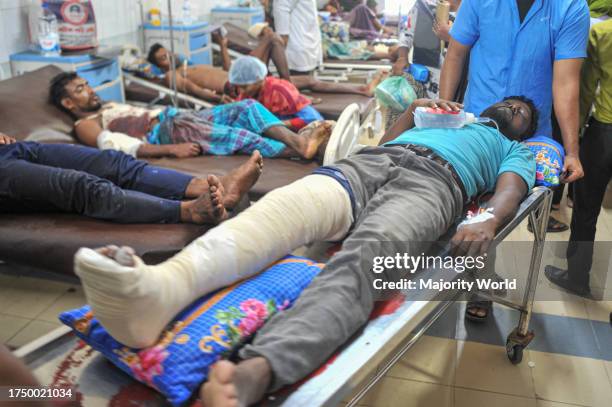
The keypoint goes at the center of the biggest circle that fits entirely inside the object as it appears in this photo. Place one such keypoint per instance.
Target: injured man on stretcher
(235, 128)
(209, 83)
(407, 192)
(110, 185)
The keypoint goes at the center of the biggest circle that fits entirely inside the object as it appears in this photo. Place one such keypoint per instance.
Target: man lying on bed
(236, 128)
(201, 80)
(111, 185)
(406, 193)
(250, 77)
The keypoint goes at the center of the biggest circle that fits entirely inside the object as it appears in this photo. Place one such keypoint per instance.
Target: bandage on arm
(108, 140)
(452, 69)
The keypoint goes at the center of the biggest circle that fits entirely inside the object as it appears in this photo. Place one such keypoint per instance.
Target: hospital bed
(150, 92)
(48, 241)
(240, 43)
(395, 326)
(60, 359)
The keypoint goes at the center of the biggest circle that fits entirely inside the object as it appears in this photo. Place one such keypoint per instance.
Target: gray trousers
(403, 203)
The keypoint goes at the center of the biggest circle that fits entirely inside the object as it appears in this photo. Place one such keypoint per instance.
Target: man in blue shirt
(524, 47)
(382, 202)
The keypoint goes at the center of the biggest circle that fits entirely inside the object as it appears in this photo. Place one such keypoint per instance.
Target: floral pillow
(209, 329)
(549, 156)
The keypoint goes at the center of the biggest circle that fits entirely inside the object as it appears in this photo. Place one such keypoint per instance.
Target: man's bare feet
(378, 78)
(208, 208)
(314, 135)
(238, 182)
(231, 385)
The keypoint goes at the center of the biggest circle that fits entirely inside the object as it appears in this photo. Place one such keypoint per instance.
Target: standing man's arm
(223, 45)
(406, 41)
(566, 94)
(464, 34)
(282, 18)
(452, 69)
(569, 49)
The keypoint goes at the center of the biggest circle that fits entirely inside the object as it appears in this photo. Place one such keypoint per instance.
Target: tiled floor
(437, 372)
(29, 306)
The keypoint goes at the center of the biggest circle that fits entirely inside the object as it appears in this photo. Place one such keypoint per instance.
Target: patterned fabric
(549, 156)
(281, 97)
(208, 330)
(354, 50)
(336, 43)
(235, 128)
(336, 31)
(302, 118)
(285, 101)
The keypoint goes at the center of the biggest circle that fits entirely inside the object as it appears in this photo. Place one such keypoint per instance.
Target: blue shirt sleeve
(571, 40)
(466, 29)
(519, 160)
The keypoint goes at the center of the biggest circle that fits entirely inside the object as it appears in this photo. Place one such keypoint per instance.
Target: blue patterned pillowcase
(549, 156)
(208, 329)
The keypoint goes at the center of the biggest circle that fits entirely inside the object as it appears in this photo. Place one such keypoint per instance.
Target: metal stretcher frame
(386, 339)
(358, 366)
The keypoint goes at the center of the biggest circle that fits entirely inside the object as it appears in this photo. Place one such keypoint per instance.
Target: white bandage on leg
(135, 303)
(108, 140)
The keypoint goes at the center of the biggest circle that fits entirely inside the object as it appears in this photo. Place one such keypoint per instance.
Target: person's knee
(277, 40)
(91, 194)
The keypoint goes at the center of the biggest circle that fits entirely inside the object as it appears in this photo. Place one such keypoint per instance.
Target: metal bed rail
(198, 104)
(384, 341)
(537, 207)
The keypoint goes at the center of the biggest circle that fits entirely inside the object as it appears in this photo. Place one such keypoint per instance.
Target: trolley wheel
(514, 352)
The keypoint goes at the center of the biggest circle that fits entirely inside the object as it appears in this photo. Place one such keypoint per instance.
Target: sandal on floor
(473, 309)
(554, 226)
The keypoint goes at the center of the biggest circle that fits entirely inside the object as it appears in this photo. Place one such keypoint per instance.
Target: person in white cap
(249, 79)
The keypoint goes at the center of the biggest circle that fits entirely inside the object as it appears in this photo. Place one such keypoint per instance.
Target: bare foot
(380, 76)
(217, 199)
(123, 255)
(231, 385)
(208, 208)
(315, 134)
(239, 181)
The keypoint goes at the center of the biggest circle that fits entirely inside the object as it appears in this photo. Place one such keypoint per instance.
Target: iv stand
(172, 55)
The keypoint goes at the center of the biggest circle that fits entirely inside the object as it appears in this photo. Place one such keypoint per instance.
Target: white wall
(114, 18)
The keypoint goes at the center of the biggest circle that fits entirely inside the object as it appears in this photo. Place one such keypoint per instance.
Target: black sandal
(554, 226)
(486, 306)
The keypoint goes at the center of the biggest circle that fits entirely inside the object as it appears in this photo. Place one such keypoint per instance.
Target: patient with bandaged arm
(236, 128)
(406, 192)
(113, 186)
(250, 77)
